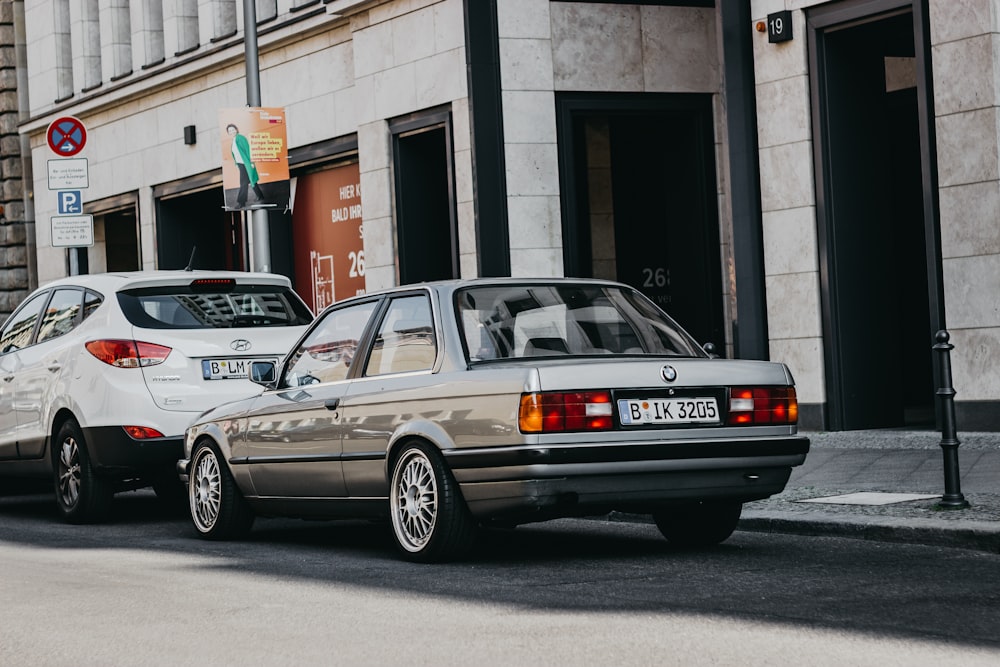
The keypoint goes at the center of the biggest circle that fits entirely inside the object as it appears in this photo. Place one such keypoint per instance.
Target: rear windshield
(182, 307)
(517, 321)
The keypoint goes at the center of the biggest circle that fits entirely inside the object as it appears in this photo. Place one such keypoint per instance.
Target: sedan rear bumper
(535, 483)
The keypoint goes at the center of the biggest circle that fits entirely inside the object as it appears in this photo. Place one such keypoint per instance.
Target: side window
(405, 339)
(61, 314)
(328, 351)
(16, 333)
(90, 303)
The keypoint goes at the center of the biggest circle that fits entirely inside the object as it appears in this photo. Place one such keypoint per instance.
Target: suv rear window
(188, 307)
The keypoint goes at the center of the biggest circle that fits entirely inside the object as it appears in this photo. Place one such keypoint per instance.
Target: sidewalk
(878, 463)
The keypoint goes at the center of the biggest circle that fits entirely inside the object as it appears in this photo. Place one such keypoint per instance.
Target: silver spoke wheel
(69, 472)
(414, 500)
(206, 491)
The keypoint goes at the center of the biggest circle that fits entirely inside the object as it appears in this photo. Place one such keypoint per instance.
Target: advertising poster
(328, 243)
(254, 158)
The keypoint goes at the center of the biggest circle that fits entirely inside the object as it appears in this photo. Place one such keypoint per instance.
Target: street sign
(66, 136)
(69, 202)
(72, 231)
(69, 174)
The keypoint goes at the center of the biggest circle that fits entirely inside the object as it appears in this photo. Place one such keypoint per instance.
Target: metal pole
(261, 232)
(952, 498)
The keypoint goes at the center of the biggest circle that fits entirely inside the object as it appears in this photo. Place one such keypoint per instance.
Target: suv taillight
(553, 412)
(128, 353)
(142, 432)
(763, 405)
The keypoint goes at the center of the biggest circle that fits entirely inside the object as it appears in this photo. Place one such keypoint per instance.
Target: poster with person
(254, 158)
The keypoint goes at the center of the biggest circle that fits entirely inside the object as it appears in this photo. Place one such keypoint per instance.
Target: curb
(975, 535)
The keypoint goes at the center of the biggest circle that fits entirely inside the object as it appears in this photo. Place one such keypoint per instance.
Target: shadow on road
(880, 589)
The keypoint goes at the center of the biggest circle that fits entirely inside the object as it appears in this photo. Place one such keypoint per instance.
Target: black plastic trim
(112, 449)
(541, 455)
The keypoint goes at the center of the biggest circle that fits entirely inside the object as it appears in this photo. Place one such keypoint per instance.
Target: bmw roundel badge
(668, 373)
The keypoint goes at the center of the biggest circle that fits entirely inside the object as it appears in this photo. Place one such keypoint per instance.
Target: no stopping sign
(66, 136)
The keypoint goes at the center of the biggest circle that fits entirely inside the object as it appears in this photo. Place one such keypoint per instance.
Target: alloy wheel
(414, 500)
(206, 491)
(69, 472)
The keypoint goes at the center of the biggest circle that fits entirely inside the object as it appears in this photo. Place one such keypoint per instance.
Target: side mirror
(709, 347)
(262, 372)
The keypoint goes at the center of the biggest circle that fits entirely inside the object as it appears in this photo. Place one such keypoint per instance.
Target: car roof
(449, 286)
(115, 281)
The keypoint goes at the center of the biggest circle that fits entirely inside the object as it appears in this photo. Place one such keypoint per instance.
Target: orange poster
(254, 158)
(327, 236)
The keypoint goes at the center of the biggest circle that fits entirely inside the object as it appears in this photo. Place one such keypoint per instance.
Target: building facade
(824, 194)
(16, 262)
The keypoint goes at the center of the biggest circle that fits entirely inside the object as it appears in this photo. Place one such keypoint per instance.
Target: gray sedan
(447, 406)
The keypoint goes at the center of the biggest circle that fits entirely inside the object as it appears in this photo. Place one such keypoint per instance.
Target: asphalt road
(145, 591)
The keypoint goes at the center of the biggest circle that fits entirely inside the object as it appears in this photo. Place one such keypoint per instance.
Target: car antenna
(190, 265)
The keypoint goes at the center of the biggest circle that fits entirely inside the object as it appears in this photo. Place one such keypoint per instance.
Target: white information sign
(72, 231)
(69, 174)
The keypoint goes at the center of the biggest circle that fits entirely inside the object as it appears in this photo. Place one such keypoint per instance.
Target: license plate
(227, 369)
(637, 411)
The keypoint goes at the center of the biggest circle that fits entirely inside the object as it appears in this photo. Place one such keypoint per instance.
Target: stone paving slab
(883, 461)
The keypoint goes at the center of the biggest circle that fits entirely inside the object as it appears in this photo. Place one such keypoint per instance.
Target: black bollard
(952, 498)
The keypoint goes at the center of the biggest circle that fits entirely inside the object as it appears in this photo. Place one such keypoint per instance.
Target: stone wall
(13, 248)
(788, 204)
(966, 62)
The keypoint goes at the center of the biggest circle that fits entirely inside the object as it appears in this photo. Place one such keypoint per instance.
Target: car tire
(82, 495)
(700, 525)
(430, 520)
(218, 509)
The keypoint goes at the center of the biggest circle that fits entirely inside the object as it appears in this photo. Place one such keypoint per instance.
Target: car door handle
(54, 366)
(332, 404)
(8, 378)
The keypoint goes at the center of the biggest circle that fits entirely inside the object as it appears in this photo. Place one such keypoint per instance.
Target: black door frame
(128, 201)
(423, 121)
(845, 14)
(573, 105)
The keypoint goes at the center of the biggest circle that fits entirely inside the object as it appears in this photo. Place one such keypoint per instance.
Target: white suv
(101, 374)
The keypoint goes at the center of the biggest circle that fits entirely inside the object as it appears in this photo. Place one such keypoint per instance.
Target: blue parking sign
(70, 202)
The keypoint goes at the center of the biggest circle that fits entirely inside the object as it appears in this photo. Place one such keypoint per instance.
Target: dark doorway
(121, 240)
(196, 223)
(425, 218)
(642, 202)
(873, 227)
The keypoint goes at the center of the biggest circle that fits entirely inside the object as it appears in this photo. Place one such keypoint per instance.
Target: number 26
(357, 263)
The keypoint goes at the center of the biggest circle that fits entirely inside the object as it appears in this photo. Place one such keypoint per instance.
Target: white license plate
(633, 411)
(227, 369)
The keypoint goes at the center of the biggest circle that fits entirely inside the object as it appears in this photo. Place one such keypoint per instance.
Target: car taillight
(763, 405)
(128, 353)
(554, 412)
(142, 432)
